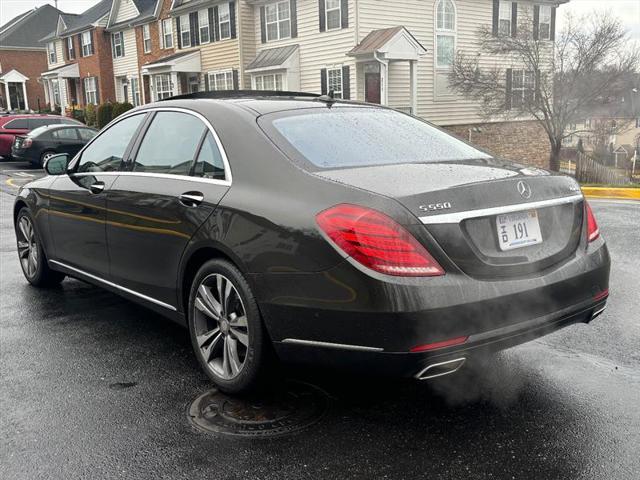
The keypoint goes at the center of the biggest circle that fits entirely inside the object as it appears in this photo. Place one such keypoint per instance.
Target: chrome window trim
(225, 160)
(486, 212)
(115, 285)
(155, 175)
(340, 346)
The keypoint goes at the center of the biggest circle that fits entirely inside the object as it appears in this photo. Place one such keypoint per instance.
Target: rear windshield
(354, 137)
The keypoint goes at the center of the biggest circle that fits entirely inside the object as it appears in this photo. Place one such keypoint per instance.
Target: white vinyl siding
(126, 66)
(126, 11)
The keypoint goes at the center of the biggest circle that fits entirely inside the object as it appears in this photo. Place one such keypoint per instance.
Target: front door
(372, 87)
(16, 96)
(175, 183)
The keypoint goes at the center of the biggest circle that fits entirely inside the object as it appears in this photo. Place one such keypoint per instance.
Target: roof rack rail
(221, 94)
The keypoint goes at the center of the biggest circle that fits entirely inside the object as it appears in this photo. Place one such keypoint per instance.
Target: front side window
(522, 88)
(504, 25)
(163, 86)
(221, 80)
(355, 137)
(51, 50)
(209, 163)
(268, 82)
(87, 44)
(90, 91)
(146, 38)
(334, 81)
(105, 154)
(185, 31)
(224, 21)
(278, 20)
(204, 28)
(544, 25)
(175, 153)
(117, 45)
(333, 12)
(71, 52)
(167, 33)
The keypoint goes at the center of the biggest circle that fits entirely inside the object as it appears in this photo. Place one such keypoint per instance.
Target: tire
(44, 156)
(31, 254)
(237, 333)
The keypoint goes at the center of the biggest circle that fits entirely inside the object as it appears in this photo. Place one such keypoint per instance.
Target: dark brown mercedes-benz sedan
(297, 227)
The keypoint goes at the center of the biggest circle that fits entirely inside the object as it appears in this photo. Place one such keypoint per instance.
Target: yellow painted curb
(612, 192)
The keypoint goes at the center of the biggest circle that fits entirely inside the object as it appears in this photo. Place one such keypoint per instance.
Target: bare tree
(556, 80)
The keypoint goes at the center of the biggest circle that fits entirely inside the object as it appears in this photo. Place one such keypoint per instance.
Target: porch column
(174, 84)
(413, 79)
(6, 94)
(45, 83)
(24, 94)
(384, 83)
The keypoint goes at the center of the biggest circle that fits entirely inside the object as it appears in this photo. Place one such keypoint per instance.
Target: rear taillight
(377, 242)
(593, 232)
(26, 143)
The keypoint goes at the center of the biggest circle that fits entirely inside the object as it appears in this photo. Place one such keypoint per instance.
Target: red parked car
(12, 125)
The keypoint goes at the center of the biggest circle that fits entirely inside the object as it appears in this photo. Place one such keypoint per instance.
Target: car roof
(7, 118)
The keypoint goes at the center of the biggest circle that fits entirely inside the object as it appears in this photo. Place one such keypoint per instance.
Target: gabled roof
(172, 57)
(147, 11)
(87, 18)
(272, 57)
(381, 40)
(182, 5)
(26, 30)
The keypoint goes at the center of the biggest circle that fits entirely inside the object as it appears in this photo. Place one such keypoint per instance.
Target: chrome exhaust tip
(440, 369)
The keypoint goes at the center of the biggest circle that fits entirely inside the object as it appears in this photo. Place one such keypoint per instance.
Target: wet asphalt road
(92, 386)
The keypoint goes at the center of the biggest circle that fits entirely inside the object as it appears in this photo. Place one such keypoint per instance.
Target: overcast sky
(627, 10)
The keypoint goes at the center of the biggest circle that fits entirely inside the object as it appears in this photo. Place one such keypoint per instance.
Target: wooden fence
(588, 170)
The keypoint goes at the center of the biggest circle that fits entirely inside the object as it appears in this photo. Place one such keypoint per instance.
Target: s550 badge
(434, 207)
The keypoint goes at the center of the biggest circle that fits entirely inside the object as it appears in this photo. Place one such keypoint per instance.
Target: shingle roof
(375, 40)
(147, 9)
(174, 56)
(272, 57)
(26, 30)
(87, 18)
(180, 5)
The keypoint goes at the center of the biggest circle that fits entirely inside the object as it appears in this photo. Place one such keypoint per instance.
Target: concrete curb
(612, 193)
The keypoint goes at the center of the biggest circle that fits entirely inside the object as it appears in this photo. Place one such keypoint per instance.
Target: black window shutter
(536, 22)
(553, 23)
(97, 91)
(216, 23)
(344, 7)
(509, 96)
(496, 17)
(346, 83)
(212, 37)
(206, 82)
(293, 8)
(79, 37)
(91, 36)
(323, 16)
(514, 19)
(236, 83)
(263, 25)
(122, 43)
(232, 19)
(81, 94)
(323, 81)
(193, 28)
(178, 32)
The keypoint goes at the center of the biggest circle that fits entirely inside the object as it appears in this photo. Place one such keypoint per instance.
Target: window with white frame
(90, 91)
(333, 12)
(224, 21)
(117, 44)
(204, 29)
(334, 81)
(185, 31)
(278, 20)
(270, 81)
(221, 80)
(522, 88)
(445, 33)
(544, 23)
(135, 91)
(166, 33)
(146, 38)
(162, 83)
(51, 51)
(71, 51)
(504, 20)
(87, 44)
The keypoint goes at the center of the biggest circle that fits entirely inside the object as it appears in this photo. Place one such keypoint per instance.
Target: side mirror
(57, 164)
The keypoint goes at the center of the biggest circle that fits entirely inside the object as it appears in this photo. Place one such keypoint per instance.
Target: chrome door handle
(191, 199)
(97, 187)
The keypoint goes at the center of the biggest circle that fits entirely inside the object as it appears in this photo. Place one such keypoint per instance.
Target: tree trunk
(554, 157)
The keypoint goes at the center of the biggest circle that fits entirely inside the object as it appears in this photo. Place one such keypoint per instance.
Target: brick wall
(99, 65)
(30, 64)
(523, 142)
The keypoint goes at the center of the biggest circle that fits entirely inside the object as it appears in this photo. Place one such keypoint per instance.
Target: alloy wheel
(27, 247)
(221, 326)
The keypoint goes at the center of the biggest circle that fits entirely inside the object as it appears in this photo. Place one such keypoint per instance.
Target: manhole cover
(290, 408)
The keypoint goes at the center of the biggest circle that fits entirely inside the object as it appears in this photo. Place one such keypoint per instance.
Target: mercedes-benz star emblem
(524, 190)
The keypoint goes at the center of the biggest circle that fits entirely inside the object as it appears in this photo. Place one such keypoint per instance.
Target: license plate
(517, 230)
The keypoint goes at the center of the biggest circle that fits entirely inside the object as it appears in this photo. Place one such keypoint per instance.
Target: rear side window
(17, 124)
(39, 122)
(358, 137)
(65, 134)
(209, 163)
(170, 144)
(106, 152)
(86, 134)
(39, 132)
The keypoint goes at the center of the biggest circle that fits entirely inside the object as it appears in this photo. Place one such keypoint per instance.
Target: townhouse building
(23, 57)
(80, 64)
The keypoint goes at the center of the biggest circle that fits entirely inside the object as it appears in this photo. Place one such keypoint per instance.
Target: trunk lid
(458, 203)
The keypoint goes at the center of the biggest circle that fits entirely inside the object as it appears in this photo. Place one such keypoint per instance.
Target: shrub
(105, 114)
(90, 115)
(78, 114)
(120, 108)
